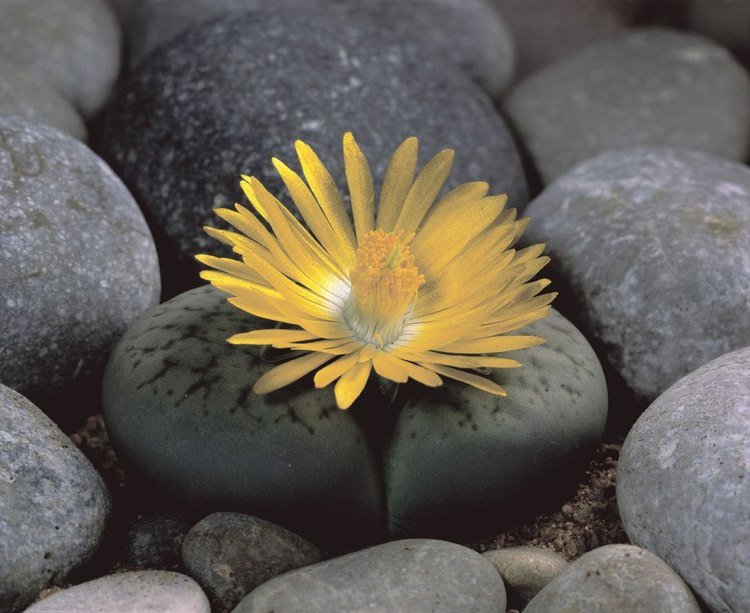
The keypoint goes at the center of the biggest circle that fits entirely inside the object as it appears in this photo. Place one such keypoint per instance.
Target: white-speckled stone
(683, 487)
(647, 88)
(616, 579)
(148, 591)
(53, 504)
(72, 45)
(22, 95)
(77, 262)
(411, 575)
(654, 248)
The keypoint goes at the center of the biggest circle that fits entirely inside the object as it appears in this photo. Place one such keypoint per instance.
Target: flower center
(384, 286)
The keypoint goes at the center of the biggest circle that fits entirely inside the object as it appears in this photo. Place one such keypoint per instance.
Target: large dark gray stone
(682, 484)
(616, 578)
(74, 46)
(77, 263)
(179, 408)
(411, 575)
(648, 88)
(654, 246)
(53, 504)
(223, 98)
(463, 462)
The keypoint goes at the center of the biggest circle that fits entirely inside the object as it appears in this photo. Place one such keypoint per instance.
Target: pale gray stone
(653, 246)
(159, 591)
(683, 489)
(74, 46)
(77, 262)
(53, 504)
(230, 554)
(647, 88)
(616, 578)
(526, 570)
(22, 95)
(409, 575)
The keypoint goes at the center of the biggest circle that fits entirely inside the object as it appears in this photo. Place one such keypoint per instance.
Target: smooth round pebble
(223, 98)
(647, 88)
(616, 578)
(77, 266)
(525, 570)
(174, 385)
(159, 591)
(25, 96)
(683, 489)
(73, 46)
(230, 554)
(468, 32)
(654, 248)
(154, 542)
(462, 462)
(53, 504)
(409, 575)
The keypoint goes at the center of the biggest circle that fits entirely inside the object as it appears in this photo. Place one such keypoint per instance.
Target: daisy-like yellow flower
(422, 290)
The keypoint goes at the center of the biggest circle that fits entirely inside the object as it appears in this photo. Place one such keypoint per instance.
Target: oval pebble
(53, 504)
(22, 95)
(77, 266)
(191, 120)
(409, 575)
(462, 462)
(154, 542)
(653, 247)
(230, 554)
(132, 592)
(174, 385)
(616, 578)
(525, 570)
(74, 46)
(649, 88)
(683, 489)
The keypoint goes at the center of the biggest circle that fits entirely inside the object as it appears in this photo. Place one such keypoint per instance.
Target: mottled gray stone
(134, 592)
(526, 570)
(74, 46)
(648, 88)
(230, 554)
(469, 32)
(655, 248)
(411, 575)
(462, 461)
(616, 578)
(174, 387)
(22, 95)
(225, 97)
(77, 263)
(53, 504)
(154, 542)
(682, 484)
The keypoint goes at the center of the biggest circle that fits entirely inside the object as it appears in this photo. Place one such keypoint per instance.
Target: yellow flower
(422, 291)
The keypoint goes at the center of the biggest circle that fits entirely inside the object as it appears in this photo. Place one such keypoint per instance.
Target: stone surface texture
(682, 484)
(526, 570)
(53, 504)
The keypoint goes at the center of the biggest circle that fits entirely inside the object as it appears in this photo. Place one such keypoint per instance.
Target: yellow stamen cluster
(384, 282)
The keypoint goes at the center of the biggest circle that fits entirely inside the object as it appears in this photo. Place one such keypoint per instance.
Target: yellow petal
(361, 189)
(350, 385)
(495, 344)
(388, 366)
(288, 372)
(328, 374)
(396, 184)
(269, 337)
(481, 383)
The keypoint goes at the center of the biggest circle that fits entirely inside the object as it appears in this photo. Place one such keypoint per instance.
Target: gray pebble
(410, 575)
(77, 263)
(683, 489)
(526, 570)
(154, 542)
(648, 88)
(134, 592)
(230, 554)
(22, 95)
(654, 246)
(74, 46)
(462, 462)
(614, 579)
(53, 504)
